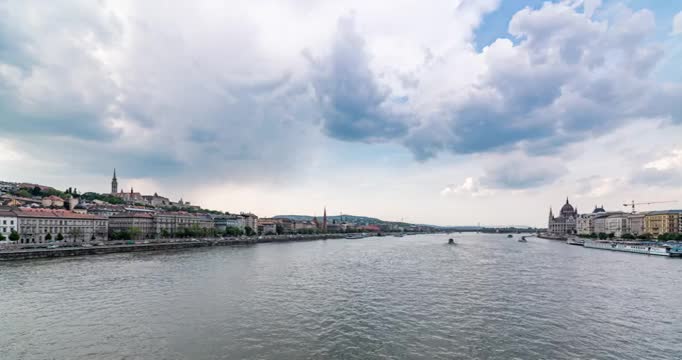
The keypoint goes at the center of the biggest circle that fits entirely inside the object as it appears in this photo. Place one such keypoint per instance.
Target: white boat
(635, 247)
(575, 241)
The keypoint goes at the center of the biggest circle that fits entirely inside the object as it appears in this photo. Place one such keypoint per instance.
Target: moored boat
(575, 241)
(636, 247)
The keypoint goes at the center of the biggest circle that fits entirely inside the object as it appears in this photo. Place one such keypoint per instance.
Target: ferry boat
(636, 247)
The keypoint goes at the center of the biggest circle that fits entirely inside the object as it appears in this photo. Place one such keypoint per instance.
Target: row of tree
(13, 236)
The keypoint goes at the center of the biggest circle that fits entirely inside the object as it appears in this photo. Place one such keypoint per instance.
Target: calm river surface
(377, 298)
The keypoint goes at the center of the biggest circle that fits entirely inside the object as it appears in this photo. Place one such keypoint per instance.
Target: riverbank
(550, 237)
(170, 244)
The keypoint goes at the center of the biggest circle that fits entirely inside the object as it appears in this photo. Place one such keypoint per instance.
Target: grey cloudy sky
(458, 112)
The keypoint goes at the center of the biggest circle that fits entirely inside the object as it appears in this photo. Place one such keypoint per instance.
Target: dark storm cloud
(354, 105)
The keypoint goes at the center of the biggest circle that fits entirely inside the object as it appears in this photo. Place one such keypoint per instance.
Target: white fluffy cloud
(471, 186)
(247, 91)
(677, 24)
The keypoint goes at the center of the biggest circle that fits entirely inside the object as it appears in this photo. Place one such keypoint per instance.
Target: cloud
(664, 171)
(355, 106)
(246, 91)
(519, 173)
(598, 186)
(563, 78)
(470, 186)
(515, 172)
(677, 24)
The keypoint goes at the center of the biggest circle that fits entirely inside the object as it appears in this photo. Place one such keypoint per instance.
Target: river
(413, 297)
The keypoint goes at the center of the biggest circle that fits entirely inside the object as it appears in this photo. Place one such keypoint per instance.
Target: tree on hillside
(23, 193)
(14, 236)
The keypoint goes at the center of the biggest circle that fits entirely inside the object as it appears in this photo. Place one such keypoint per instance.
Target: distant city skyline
(455, 113)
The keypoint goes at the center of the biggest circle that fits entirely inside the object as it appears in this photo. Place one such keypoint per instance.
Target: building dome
(567, 209)
(598, 209)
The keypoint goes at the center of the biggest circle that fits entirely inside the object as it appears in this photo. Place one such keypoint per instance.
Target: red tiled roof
(133, 215)
(61, 214)
(7, 213)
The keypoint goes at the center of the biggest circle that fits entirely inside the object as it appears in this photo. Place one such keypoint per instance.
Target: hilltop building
(566, 222)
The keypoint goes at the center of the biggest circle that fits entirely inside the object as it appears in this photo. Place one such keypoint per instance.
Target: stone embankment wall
(170, 244)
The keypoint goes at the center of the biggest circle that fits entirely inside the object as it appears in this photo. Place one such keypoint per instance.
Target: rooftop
(48, 213)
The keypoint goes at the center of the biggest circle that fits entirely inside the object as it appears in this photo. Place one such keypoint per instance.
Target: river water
(414, 297)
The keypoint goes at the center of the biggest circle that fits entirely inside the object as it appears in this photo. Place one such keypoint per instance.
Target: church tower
(324, 220)
(114, 183)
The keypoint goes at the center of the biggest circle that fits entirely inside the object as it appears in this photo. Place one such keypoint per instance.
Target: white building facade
(8, 223)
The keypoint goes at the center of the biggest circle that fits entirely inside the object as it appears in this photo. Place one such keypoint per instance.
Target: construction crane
(633, 203)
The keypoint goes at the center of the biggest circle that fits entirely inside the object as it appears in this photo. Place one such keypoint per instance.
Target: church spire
(114, 183)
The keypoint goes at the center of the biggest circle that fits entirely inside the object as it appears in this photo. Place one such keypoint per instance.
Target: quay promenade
(158, 245)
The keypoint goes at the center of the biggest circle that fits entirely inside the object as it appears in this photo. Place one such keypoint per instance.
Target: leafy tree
(60, 237)
(627, 236)
(644, 236)
(14, 236)
(233, 231)
(2, 238)
(23, 193)
(249, 231)
(134, 232)
(48, 236)
(165, 233)
(602, 236)
(36, 191)
(279, 229)
(611, 235)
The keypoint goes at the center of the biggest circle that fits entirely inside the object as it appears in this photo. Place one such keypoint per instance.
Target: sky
(454, 112)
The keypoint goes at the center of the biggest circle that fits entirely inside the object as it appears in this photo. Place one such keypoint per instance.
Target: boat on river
(575, 241)
(522, 239)
(647, 248)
